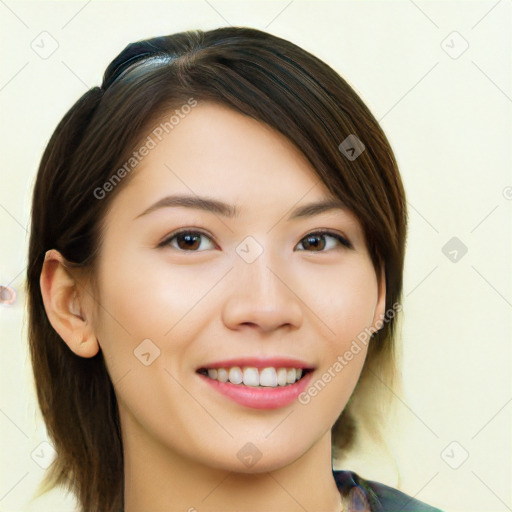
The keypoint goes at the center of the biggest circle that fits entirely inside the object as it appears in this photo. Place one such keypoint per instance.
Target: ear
(65, 306)
(380, 307)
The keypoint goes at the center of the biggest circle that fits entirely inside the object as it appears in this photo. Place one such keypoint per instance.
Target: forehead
(215, 135)
(215, 149)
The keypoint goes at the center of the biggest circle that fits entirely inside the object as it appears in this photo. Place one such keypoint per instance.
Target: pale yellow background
(449, 123)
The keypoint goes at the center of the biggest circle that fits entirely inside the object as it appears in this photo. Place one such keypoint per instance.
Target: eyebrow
(226, 210)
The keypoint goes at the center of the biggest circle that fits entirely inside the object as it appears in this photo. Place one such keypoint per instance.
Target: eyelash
(342, 240)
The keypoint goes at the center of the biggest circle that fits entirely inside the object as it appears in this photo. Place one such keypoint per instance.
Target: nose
(261, 295)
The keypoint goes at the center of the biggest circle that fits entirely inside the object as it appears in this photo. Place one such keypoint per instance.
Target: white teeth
(268, 377)
(281, 376)
(290, 376)
(222, 375)
(235, 375)
(250, 376)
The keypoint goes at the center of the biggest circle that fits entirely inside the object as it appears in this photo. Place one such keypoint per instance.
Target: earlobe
(62, 304)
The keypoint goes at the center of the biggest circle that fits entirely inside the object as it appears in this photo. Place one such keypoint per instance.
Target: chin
(254, 458)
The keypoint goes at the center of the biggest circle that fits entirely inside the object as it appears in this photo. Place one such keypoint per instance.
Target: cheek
(148, 298)
(343, 300)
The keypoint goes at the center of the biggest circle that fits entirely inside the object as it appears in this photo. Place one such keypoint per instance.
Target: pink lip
(260, 398)
(259, 362)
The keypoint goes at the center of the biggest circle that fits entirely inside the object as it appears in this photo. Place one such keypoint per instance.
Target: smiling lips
(261, 383)
(250, 376)
(269, 372)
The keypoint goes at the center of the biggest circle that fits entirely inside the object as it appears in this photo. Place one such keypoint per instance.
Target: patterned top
(369, 496)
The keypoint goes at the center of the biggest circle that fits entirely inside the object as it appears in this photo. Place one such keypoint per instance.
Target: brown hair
(256, 73)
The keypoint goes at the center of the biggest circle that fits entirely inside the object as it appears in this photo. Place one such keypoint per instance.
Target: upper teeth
(250, 376)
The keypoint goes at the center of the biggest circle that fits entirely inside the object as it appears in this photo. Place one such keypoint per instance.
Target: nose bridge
(256, 265)
(261, 294)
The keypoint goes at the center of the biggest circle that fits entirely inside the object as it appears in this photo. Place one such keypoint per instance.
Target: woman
(215, 270)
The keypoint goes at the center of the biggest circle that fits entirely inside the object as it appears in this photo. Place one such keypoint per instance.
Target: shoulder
(380, 497)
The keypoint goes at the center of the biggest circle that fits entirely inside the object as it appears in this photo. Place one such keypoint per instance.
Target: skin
(180, 436)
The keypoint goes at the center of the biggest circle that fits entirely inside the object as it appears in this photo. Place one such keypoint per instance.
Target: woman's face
(252, 286)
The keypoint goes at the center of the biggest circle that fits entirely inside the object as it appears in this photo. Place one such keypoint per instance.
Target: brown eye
(315, 242)
(186, 241)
